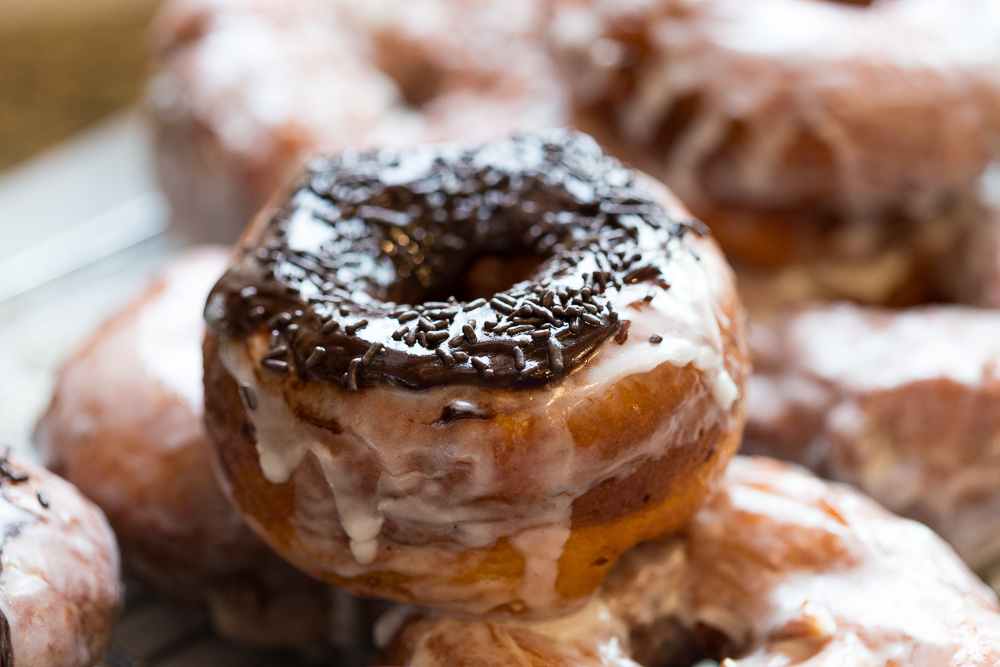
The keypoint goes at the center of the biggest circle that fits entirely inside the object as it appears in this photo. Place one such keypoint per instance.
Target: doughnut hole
(491, 274)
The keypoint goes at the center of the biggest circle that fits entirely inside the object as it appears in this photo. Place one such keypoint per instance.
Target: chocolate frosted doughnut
(385, 427)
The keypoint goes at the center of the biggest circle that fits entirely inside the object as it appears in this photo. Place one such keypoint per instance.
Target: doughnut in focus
(125, 426)
(904, 404)
(780, 568)
(59, 590)
(386, 428)
(837, 145)
(247, 90)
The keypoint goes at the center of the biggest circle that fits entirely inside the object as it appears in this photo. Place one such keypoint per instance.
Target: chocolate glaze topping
(354, 277)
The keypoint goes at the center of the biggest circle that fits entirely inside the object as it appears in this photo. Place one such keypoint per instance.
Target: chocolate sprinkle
(276, 365)
(43, 499)
(372, 352)
(656, 339)
(555, 356)
(387, 235)
(519, 363)
(622, 334)
(352, 375)
(249, 395)
(9, 473)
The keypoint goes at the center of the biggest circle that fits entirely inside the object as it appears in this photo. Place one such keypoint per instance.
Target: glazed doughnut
(779, 568)
(59, 590)
(125, 425)
(590, 637)
(782, 567)
(825, 138)
(388, 431)
(247, 90)
(904, 404)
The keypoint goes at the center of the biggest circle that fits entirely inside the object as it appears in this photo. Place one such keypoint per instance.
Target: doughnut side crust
(125, 425)
(59, 590)
(903, 404)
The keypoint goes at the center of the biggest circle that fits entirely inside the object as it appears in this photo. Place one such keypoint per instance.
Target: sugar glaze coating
(59, 590)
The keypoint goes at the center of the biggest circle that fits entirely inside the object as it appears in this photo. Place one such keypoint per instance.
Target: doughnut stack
(500, 381)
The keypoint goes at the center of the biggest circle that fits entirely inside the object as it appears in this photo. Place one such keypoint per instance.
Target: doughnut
(836, 143)
(779, 568)
(246, 90)
(388, 428)
(971, 273)
(59, 590)
(904, 404)
(125, 426)
(590, 637)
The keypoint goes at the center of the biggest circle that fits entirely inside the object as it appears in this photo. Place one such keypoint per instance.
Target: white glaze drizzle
(391, 430)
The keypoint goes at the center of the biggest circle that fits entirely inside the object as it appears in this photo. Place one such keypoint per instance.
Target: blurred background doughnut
(904, 404)
(784, 568)
(246, 91)
(59, 590)
(125, 425)
(835, 148)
